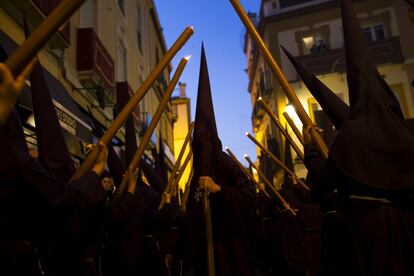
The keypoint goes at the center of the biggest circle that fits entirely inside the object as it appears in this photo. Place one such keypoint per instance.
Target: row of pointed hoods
(374, 144)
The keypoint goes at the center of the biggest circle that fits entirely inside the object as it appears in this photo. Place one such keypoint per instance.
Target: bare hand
(100, 162)
(167, 197)
(307, 138)
(11, 88)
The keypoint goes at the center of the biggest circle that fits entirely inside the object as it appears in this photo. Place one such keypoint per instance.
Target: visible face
(108, 183)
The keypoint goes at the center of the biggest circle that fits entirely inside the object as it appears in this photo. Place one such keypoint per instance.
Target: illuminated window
(315, 43)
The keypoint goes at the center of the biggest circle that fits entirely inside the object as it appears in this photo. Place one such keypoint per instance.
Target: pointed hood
(53, 152)
(206, 143)
(115, 164)
(336, 109)
(122, 98)
(160, 166)
(373, 146)
(16, 128)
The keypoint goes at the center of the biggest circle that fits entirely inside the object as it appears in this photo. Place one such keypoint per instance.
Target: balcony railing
(257, 115)
(95, 65)
(285, 6)
(383, 51)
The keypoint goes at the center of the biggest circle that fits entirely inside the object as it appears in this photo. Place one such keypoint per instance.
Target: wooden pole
(174, 188)
(177, 164)
(211, 268)
(270, 185)
(136, 159)
(246, 172)
(277, 161)
(39, 37)
(135, 99)
(281, 128)
(294, 128)
(187, 191)
(284, 83)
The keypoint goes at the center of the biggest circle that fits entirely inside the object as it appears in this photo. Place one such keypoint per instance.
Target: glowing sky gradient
(218, 26)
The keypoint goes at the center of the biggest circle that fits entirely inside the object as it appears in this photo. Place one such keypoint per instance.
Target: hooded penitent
(53, 152)
(130, 138)
(206, 144)
(374, 138)
(334, 107)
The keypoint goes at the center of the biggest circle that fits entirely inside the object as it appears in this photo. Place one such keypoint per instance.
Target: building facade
(312, 31)
(182, 117)
(107, 47)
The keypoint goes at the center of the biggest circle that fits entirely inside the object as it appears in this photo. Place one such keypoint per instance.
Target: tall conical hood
(336, 109)
(206, 144)
(362, 73)
(115, 164)
(53, 152)
(160, 166)
(373, 146)
(122, 98)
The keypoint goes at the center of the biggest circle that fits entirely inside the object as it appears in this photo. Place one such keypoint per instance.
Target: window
(89, 15)
(121, 5)
(121, 62)
(312, 41)
(274, 5)
(315, 43)
(374, 33)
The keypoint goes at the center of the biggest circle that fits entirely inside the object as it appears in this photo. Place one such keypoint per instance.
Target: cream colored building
(182, 117)
(107, 47)
(312, 31)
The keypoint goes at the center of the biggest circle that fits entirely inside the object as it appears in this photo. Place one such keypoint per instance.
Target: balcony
(265, 84)
(95, 65)
(383, 51)
(36, 11)
(271, 8)
(257, 115)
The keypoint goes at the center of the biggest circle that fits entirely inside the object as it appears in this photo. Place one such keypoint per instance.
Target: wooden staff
(36, 41)
(277, 161)
(284, 83)
(174, 188)
(294, 128)
(281, 128)
(270, 185)
(211, 268)
(246, 172)
(177, 164)
(136, 159)
(187, 191)
(135, 99)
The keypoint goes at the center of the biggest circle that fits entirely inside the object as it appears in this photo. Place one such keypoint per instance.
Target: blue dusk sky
(218, 26)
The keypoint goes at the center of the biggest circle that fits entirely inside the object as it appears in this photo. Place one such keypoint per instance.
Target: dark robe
(232, 209)
(373, 237)
(32, 201)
